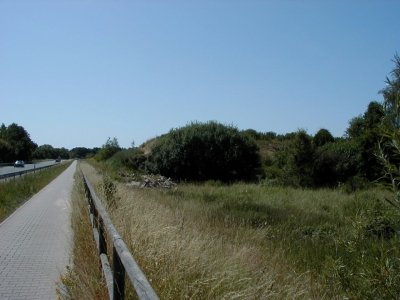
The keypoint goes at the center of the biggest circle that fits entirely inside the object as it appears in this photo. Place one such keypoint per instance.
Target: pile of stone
(152, 181)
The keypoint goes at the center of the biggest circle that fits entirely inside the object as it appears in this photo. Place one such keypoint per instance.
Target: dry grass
(84, 280)
(186, 253)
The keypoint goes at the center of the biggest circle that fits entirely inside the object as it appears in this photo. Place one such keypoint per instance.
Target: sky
(76, 72)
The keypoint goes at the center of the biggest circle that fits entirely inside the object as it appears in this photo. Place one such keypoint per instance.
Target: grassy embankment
(244, 241)
(13, 193)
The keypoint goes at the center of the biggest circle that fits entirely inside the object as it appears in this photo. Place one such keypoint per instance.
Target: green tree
(62, 152)
(18, 140)
(110, 147)
(356, 127)
(301, 160)
(82, 152)
(366, 131)
(322, 137)
(5, 151)
(44, 151)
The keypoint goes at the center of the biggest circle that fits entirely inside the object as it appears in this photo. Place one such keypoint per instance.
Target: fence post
(119, 277)
(102, 239)
(95, 218)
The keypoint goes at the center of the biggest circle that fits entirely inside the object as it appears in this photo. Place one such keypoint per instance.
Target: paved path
(35, 242)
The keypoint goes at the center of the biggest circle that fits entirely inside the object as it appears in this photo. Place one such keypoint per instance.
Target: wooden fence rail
(123, 262)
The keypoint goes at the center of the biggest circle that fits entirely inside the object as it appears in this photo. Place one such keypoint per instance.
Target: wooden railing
(123, 262)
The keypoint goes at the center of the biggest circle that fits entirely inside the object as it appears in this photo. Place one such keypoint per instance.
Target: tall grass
(249, 241)
(188, 255)
(84, 280)
(15, 192)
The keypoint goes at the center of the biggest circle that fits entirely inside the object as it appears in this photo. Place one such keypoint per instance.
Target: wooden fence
(123, 262)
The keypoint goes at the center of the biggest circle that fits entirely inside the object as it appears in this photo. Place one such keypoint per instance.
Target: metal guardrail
(23, 172)
(122, 260)
(6, 164)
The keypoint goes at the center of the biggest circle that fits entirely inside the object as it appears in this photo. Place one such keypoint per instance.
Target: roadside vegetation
(188, 253)
(212, 240)
(84, 279)
(13, 193)
(311, 218)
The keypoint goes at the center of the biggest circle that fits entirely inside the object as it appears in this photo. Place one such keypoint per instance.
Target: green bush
(109, 190)
(108, 149)
(133, 159)
(336, 162)
(206, 151)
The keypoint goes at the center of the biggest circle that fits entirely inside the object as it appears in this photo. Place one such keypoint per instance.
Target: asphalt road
(35, 242)
(10, 170)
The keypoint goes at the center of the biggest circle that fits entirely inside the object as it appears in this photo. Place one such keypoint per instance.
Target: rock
(152, 181)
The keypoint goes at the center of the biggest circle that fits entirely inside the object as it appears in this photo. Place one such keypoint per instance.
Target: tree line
(214, 151)
(16, 144)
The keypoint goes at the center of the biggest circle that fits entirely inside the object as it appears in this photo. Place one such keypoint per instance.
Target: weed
(109, 190)
(84, 280)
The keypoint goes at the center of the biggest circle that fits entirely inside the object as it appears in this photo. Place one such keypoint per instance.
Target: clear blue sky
(76, 72)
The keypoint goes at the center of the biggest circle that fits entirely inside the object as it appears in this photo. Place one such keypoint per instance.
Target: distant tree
(322, 137)
(356, 127)
(252, 133)
(108, 149)
(366, 131)
(18, 141)
(48, 152)
(82, 152)
(62, 152)
(374, 114)
(5, 151)
(301, 160)
(44, 151)
(269, 135)
(370, 165)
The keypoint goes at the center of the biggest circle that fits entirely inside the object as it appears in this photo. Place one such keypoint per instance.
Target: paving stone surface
(36, 241)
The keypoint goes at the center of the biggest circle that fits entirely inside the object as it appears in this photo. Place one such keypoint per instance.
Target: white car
(19, 164)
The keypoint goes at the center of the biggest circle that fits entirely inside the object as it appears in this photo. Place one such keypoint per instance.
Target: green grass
(207, 241)
(348, 242)
(13, 193)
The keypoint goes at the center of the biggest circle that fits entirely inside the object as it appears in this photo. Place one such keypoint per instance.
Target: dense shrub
(206, 151)
(130, 158)
(336, 162)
